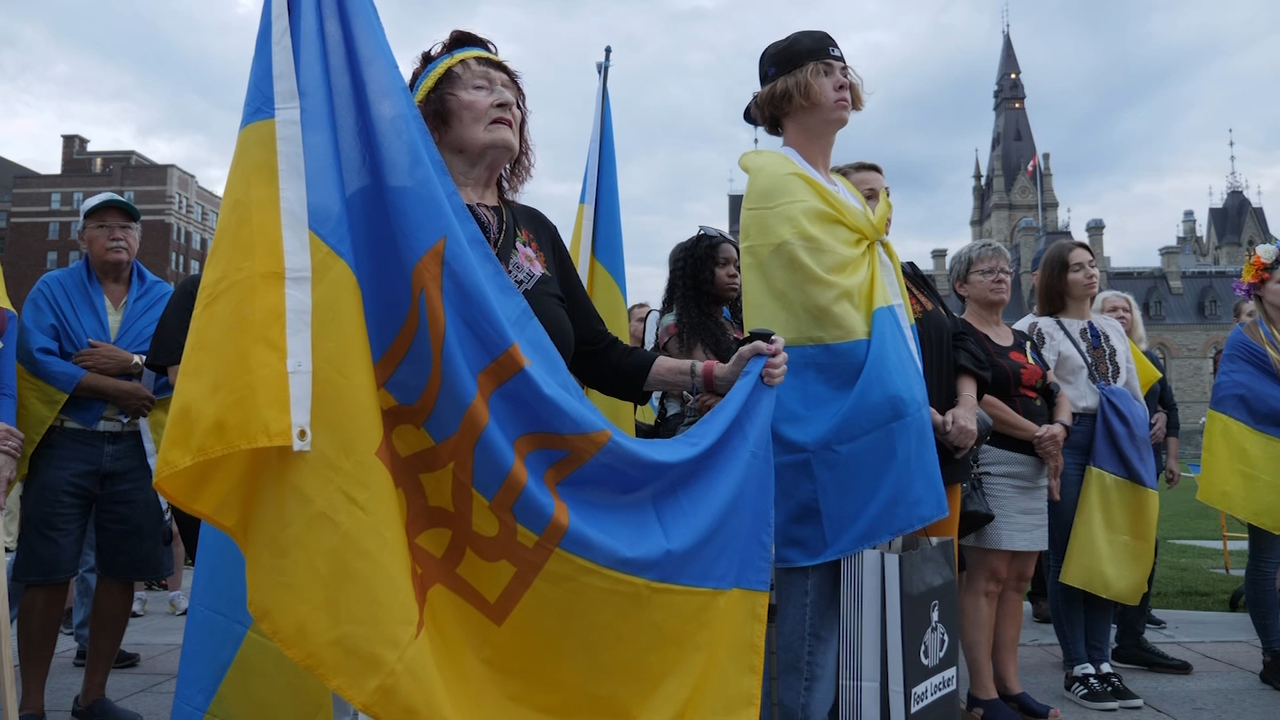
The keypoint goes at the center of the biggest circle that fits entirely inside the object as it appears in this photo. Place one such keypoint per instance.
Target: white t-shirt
(887, 269)
(838, 187)
(1112, 357)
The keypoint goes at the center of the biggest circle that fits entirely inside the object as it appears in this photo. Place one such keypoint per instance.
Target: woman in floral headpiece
(1242, 445)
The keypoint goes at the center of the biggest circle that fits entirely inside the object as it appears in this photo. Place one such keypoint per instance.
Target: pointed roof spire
(977, 166)
(1009, 69)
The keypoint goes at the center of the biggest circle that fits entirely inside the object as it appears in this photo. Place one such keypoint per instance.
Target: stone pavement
(1222, 646)
(148, 687)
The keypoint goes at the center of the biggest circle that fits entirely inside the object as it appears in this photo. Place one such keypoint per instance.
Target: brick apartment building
(43, 214)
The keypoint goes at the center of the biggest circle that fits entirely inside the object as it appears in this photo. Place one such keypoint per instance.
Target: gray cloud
(1132, 99)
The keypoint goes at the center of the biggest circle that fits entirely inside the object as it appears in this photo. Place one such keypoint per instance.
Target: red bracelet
(709, 376)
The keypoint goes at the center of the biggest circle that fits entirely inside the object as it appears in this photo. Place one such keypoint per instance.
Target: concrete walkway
(147, 688)
(1222, 646)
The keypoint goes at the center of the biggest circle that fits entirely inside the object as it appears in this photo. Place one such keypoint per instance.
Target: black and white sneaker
(1123, 695)
(1088, 691)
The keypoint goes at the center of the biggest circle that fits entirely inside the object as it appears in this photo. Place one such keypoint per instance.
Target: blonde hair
(1137, 330)
(1271, 344)
(797, 90)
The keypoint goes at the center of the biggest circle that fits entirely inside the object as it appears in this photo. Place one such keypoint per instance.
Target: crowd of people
(99, 345)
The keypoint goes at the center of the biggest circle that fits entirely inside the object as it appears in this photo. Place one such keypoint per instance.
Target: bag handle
(1093, 375)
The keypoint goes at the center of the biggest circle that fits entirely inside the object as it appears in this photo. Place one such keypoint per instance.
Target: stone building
(1186, 300)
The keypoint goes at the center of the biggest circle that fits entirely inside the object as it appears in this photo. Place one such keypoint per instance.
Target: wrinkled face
(1118, 308)
(1082, 275)
(728, 280)
(988, 283)
(483, 114)
(109, 236)
(636, 324)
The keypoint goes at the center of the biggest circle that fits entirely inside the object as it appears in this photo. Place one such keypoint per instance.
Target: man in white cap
(82, 331)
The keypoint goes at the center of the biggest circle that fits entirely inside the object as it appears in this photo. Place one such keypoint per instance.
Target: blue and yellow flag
(64, 311)
(8, 360)
(596, 246)
(853, 442)
(1242, 436)
(1148, 373)
(1113, 537)
(368, 403)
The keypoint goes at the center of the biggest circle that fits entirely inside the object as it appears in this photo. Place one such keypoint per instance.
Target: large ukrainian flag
(855, 458)
(596, 245)
(434, 520)
(1113, 536)
(1238, 472)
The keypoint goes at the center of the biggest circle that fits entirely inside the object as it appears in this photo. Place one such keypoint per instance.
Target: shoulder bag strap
(1093, 376)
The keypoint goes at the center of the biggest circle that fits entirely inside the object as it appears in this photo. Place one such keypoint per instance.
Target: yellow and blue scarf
(64, 311)
(854, 457)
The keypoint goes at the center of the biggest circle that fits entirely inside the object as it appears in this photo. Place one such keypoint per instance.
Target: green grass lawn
(1184, 576)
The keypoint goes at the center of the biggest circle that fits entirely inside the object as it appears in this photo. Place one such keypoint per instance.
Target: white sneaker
(178, 603)
(139, 605)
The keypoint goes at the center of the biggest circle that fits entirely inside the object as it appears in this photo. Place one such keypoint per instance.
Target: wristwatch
(1066, 425)
(138, 362)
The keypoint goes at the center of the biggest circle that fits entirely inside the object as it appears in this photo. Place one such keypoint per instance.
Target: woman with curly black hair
(701, 318)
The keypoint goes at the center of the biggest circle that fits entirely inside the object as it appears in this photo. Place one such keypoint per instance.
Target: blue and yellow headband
(437, 69)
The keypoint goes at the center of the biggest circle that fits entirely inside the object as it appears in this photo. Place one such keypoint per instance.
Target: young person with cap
(854, 457)
(80, 338)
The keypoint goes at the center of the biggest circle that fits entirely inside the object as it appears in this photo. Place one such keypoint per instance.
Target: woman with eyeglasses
(473, 105)
(701, 320)
(1019, 468)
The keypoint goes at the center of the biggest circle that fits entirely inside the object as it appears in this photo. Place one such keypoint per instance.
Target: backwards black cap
(790, 54)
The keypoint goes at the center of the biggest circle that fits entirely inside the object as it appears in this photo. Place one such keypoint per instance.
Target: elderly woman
(474, 106)
(1132, 648)
(1019, 467)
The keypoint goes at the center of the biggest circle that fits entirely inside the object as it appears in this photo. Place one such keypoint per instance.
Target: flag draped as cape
(855, 463)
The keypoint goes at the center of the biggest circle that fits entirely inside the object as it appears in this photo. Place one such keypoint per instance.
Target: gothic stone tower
(1007, 196)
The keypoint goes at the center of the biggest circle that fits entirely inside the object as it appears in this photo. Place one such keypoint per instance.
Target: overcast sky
(1132, 99)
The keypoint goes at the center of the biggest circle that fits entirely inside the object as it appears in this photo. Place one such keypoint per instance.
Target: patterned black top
(529, 247)
(1019, 379)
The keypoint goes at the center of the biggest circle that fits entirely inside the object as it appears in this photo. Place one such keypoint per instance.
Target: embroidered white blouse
(1111, 357)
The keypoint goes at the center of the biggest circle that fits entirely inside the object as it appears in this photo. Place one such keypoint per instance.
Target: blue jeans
(1081, 620)
(808, 642)
(81, 604)
(1260, 587)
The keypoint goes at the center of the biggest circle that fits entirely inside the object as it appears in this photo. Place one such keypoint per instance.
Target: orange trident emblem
(442, 536)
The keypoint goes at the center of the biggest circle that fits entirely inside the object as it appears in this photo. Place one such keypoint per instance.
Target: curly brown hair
(435, 111)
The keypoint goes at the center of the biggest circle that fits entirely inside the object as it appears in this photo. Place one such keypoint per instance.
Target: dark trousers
(1131, 620)
(188, 528)
(1039, 589)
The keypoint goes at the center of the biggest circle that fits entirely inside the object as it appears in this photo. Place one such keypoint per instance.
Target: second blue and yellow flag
(423, 511)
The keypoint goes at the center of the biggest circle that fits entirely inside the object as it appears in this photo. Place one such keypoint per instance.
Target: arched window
(1215, 352)
(1162, 354)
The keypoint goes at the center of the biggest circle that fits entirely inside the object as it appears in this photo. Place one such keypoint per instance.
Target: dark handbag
(975, 511)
